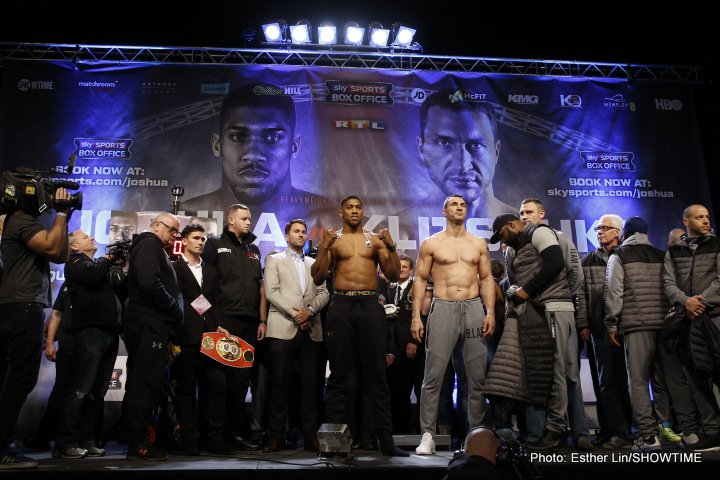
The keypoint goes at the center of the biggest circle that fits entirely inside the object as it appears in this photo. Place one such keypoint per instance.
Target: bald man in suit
(294, 332)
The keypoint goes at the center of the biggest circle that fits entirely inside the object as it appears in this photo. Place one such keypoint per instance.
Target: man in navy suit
(295, 332)
(197, 281)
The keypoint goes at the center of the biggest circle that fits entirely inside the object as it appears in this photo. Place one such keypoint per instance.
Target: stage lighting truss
(355, 37)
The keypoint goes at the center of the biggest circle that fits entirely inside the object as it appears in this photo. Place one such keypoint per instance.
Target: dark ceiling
(679, 33)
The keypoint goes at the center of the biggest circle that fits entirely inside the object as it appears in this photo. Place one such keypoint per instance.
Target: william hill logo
(25, 85)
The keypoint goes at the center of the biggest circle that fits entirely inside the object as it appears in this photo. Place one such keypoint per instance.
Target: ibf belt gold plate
(229, 350)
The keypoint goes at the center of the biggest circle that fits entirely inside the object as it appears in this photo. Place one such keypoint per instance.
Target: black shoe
(389, 449)
(548, 441)
(37, 445)
(220, 449)
(368, 445)
(312, 444)
(190, 448)
(147, 453)
(243, 445)
(706, 443)
(275, 444)
(15, 461)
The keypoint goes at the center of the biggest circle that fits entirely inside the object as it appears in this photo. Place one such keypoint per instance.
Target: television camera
(27, 189)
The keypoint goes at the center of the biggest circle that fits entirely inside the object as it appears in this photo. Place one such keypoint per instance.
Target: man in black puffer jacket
(692, 280)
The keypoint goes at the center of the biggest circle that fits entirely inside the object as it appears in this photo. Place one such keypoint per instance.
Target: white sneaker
(427, 445)
(690, 439)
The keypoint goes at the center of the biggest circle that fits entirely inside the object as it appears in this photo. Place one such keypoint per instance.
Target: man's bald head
(482, 442)
(675, 236)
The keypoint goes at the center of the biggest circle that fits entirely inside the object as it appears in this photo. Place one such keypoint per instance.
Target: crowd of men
(654, 372)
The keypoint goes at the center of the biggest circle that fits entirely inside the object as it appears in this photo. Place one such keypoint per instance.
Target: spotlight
(274, 32)
(354, 34)
(327, 34)
(403, 36)
(301, 33)
(378, 35)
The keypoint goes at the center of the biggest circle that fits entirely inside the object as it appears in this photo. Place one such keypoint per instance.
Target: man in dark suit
(197, 282)
(295, 332)
(406, 373)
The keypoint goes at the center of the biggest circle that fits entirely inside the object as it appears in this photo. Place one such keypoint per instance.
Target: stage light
(274, 31)
(354, 34)
(327, 34)
(403, 36)
(301, 33)
(334, 439)
(379, 36)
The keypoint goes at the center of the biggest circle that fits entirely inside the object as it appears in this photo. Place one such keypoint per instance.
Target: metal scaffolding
(88, 56)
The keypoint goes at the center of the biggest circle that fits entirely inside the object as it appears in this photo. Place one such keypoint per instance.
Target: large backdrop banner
(293, 141)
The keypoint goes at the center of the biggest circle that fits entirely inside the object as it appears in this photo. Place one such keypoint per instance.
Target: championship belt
(228, 350)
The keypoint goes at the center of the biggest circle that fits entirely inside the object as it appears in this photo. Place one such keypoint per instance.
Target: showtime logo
(25, 85)
(523, 99)
(668, 104)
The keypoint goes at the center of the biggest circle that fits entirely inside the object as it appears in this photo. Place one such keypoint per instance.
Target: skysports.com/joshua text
(597, 192)
(118, 182)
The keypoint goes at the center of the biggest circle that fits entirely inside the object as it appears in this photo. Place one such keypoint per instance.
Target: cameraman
(27, 249)
(478, 460)
(95, 310)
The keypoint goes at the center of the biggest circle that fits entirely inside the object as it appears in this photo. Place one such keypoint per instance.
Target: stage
(674, 464)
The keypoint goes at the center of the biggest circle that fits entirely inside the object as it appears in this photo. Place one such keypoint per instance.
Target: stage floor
(299, 465)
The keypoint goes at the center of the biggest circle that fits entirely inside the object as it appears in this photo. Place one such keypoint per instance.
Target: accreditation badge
(228, 350)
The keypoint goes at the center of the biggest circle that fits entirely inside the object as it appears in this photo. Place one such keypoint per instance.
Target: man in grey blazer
(294, 332)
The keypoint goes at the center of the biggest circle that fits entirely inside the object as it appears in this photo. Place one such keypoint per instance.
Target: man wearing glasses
(153, 318)
(614, 413)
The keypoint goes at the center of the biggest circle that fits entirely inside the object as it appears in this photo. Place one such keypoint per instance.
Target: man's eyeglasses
(604, 228)
(172, 230)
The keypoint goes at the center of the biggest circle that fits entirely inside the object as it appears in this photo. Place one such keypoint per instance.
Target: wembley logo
(25, 85)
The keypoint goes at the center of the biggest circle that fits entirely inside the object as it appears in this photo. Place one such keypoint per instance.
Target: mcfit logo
(25, 85)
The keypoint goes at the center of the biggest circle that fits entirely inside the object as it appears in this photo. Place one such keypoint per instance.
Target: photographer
(478, 460)
(27, 249)
(95, 311)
